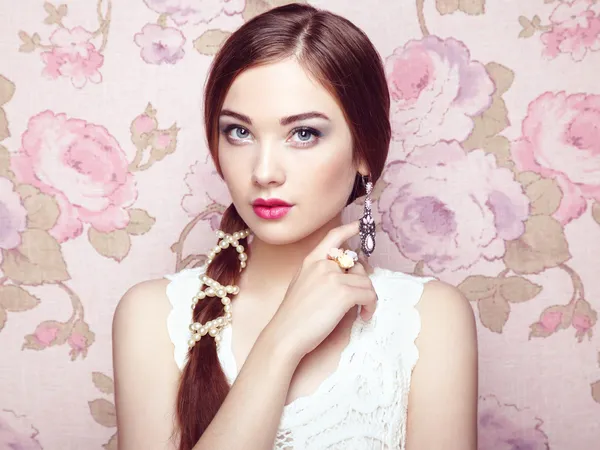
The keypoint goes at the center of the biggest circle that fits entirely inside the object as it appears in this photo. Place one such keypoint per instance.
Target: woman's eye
(236, 133)
(306, 136)
(300, 137)
(240, 133)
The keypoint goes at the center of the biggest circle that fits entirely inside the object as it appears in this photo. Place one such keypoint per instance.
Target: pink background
(493, 184)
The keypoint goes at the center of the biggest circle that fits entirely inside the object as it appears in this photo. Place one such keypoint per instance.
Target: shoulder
(143, 362)
(433, 314)
(183, 285)
(143, 301)
(447, 342)
(161, 305)
(397, 317)
(139, 321)
(445, 376)
(438, 303)
(398, 288)
(152, 304)
(447, 316)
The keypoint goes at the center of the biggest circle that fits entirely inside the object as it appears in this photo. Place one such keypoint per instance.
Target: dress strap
(399, 321)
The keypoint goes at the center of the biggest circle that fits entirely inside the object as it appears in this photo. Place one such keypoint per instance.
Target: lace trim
(409, 328)
(180, 291)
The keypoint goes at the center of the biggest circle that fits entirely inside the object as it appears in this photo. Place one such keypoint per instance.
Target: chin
(282, 232)
(287, 230)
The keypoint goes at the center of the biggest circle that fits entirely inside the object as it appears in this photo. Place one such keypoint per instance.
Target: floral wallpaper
(492, 184)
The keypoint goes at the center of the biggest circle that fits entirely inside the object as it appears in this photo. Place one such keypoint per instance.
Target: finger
(367, 300)
(364, 293)
(363, 260)
(368, 309)
(355, 280)
(358, 269)
(334, 238)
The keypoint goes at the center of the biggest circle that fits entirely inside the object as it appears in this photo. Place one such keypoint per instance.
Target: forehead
(279, 89)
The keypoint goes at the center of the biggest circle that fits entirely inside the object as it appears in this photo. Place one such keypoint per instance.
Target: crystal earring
(367, 224)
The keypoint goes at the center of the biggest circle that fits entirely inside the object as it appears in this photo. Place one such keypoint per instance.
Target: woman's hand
(320, 295)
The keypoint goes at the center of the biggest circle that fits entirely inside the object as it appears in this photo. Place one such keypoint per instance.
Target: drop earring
(367, 224)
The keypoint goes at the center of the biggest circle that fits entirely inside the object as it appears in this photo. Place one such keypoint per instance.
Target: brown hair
(341, 57)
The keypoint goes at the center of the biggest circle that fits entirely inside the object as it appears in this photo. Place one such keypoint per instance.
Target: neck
(279, 263)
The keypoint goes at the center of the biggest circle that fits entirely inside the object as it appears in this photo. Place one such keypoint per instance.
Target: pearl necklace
(215, 289)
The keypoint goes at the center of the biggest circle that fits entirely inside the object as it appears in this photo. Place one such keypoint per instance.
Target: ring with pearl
(344, 258)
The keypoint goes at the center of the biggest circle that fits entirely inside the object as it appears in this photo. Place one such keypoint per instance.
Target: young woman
(283, 339)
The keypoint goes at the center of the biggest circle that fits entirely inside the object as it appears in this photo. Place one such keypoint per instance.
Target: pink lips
(270, 209)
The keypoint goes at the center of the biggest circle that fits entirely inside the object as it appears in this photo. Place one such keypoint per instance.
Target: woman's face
(283, 136)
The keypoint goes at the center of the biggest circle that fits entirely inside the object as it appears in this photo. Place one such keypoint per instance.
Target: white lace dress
(363, 404)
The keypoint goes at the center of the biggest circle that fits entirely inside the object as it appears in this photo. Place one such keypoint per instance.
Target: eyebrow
(283, 121)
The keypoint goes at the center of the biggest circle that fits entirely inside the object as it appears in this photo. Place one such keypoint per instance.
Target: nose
(268, 170)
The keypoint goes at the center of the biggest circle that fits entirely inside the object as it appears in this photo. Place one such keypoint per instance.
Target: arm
(145, 372)
(146, 382)
(251, 412)
(442, 405)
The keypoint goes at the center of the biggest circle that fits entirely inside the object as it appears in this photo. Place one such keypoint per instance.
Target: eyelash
(316, 133)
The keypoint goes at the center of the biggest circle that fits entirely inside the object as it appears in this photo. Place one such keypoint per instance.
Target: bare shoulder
(443, 309)
(443, 393)
(140, 323)
(447, 324)
(141, 316)
(147, 300)
(143, 363)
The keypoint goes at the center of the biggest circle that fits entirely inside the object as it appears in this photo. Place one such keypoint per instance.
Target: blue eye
(306, 136)
(238, 132)
(241, 133)
(299, 137)
(235, 133)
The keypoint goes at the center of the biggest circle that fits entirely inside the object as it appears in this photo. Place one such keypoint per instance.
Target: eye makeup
(308, 136)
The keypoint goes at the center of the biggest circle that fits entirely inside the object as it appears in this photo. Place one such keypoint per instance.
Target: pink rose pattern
(575, 29)
(195, 11)
(506, 427)
(160, 44)
(80, 340)
(578, 314)
(73, 55)
(450, 208)
(203, 193)
(17, 433)
(560, 139)
(442, 205)
(83, 167)
(143, 124)
(13, 217)
(46, 333)
(436, 92)
(49, 333)
(551, 320)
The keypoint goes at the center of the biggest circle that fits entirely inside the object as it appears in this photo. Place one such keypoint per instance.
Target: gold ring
(344, 258)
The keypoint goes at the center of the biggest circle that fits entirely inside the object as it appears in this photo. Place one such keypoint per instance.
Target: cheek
(234, 171)
(332, 182)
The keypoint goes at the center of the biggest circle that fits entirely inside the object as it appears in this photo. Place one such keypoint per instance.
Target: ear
(363, 168)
